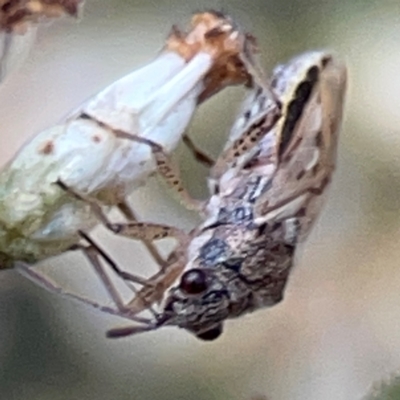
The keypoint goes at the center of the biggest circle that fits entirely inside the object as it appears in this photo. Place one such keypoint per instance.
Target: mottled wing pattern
(307, 149)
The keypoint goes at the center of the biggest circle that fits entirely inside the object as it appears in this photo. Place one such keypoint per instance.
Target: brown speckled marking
(47, 148)
(96, 138)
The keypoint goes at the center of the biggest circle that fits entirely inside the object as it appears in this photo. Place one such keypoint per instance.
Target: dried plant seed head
(19, 20)
(217, 35)
(110, 145)
(17, 15)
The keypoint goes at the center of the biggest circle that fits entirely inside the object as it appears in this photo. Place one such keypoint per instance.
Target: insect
(98, 151)
(18, 21)
(267, 189)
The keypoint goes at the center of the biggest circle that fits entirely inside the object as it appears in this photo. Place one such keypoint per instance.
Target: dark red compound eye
(194, 282)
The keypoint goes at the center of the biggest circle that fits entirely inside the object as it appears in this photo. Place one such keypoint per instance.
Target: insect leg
(146, 232)
(145, 324)
(198, 154)
(93, 252)
(130, 215)
(153, 287)
(45, 282)
(167, 169)
(248, 140)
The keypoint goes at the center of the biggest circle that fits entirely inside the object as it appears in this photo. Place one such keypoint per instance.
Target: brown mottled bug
(267, 189)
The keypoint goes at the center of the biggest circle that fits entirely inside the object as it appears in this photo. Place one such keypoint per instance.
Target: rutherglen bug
(267, 189)
(99, 151)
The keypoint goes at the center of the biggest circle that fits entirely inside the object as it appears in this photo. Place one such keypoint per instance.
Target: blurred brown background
(336, 332)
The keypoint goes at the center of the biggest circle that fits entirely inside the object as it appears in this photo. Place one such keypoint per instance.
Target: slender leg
(93, 256)
(101, 216)
(153, 287)
(167, 169)
(93, 252)
(129, 214)
(248, 139)
(198, 154)
(157, 285)
(42, 280)
(94, 204)
(147, 231)
(135, 230)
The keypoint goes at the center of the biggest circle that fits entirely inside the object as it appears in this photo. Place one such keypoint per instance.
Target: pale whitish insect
(18, 25)
(98, 151)
(267, 189)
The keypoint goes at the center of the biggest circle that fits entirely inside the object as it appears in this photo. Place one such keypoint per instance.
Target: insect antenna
(121, 332)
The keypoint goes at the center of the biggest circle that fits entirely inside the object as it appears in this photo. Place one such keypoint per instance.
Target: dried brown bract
(17, 15)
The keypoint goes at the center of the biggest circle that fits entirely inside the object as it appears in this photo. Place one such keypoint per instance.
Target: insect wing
(308, 137)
